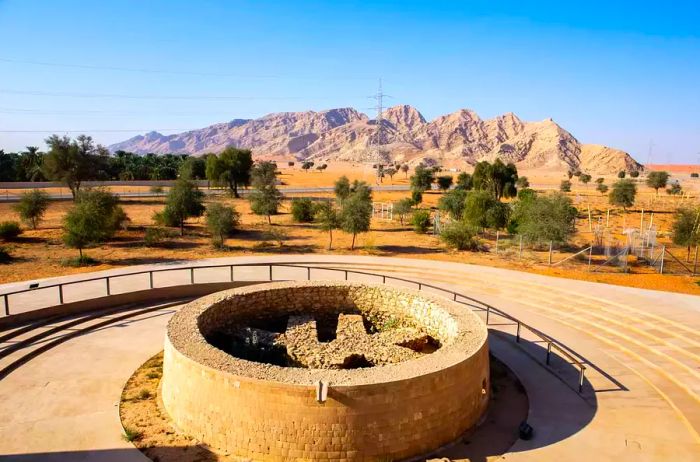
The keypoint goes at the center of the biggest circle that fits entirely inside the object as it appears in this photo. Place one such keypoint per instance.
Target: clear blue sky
(615, 72)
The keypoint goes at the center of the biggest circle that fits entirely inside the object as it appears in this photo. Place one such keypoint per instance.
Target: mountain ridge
(345, 134)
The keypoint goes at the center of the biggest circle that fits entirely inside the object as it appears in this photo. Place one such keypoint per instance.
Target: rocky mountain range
(402, 134)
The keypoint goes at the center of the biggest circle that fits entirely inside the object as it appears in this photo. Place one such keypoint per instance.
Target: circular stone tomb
(325, 371)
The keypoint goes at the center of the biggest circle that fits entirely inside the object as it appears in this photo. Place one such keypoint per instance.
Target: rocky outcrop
(345, 134)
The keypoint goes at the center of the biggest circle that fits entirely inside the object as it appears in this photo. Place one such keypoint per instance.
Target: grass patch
(144, 394)
(131, 434)
(153, 375)
(76, 262)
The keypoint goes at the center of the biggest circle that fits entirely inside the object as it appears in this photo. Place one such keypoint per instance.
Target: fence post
(308, 273)
(549, 351)
(7, 305)
(663, 255)
(550, 253)
(517, 334)
(520, 252)
(107, 285)
(270, 274)
(231, 273)
(150, 279)
(590, 256)
(488, 311)
(60, 294)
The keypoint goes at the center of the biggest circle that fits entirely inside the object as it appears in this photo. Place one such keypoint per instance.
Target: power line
(125, 130)
(4, 110)
(156, 97)
(170, 72)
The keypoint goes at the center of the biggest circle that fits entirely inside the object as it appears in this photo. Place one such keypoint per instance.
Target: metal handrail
(551, 343)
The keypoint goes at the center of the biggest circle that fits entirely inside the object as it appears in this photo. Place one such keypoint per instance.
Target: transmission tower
(378, 140)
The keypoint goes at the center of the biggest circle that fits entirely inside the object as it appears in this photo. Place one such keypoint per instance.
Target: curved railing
(473, 303)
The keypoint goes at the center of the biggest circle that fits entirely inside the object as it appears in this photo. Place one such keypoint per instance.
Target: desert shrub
(602, 188)
(416, 197)
(277, 235)
(464, 181)
(221, 221)
(526, 193)
(144, 394)
(31, 206)
(634, 173)
(131, 434)
(156, 189)
(565, 186)
(675, 189)
(9, 230)
(421, 220)
(356, 213)
(522, 182)
(184, 200)
(265, 198)
(303, 210)
(694, 175)
(483, 210)
(328, 218)
(157, 236)
(621, 174)
(453, 203)
(5, 255)
(545, 218)
(686, 228)
(657, 180)
(460, 235)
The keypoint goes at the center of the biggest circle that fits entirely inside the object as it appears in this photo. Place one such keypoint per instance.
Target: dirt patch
(142, 414)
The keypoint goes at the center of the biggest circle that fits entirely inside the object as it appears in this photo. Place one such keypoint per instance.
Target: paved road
(642, 348)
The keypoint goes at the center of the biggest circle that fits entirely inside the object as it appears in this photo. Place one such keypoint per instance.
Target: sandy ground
(142, 413)
(38, 253)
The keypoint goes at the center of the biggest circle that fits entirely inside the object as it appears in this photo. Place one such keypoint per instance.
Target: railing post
(346, 275)
(549, 351)
(107, 285)
(454, 296)
(191, 275)
(270, 274)
(150, 279)
(590, 256)
(60, 294)
(384, 280)
(580, 380)
(488, 311)
(308, 273)
(517, 334)
(7, 304)
(231, 273)
(420, 286)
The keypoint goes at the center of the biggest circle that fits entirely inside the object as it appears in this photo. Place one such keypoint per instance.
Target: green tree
(602, 188)
(265, 198)
(232, 167)
(9, 230)
(453, 202)
(404, 169)
(565, 186)
(545, 218)
(184, 200)
(402, 208)
(193, 168)
(657, 180)
(483, 210)
(464, 182)
(621, 174)
(391, 171)
(31, 206)
(341, 189)
(328, 218)
(356, 213)
(307, 165)
(94, 218)
(72, 161)
(584, 178)
(444, 182)
(634, 173)
(498, 179)
(221, 222)
(623, 194)
(416, 197)
(686, 228)
(522, 182)
(422, 178)
(302, 210)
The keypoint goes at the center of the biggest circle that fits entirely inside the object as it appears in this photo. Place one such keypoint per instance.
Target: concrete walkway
(642, 348)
